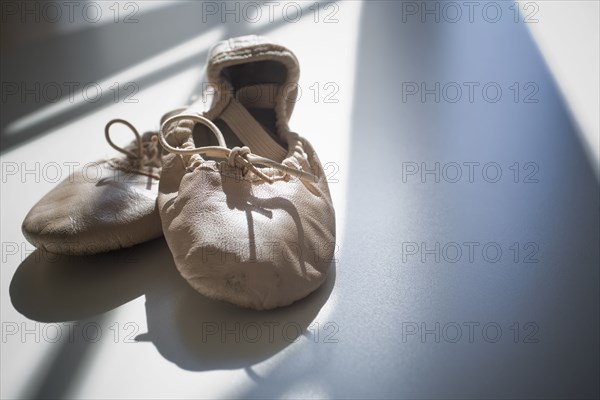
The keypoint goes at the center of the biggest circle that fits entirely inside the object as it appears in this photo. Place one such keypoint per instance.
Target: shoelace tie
(146, 152)
(240, 157)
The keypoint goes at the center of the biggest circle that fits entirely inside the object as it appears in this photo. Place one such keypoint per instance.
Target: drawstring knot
(236, 156)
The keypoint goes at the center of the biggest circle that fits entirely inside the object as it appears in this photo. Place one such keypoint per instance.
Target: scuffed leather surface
(245, 241)
(235, 237)
(86, 215)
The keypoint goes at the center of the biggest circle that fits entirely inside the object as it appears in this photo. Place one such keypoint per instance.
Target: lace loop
(148, 153)
(196, 118)
(138, 139)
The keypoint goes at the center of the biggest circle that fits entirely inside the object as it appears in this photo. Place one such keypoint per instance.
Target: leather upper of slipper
(104, 206)
(252, 225)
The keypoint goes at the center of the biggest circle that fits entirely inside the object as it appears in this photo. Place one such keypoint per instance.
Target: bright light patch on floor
(574, 49)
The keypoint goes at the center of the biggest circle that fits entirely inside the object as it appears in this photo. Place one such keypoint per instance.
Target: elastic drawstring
(147, 153)
(241, 157)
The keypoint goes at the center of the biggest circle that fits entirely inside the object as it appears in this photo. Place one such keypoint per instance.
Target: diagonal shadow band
(92, 71)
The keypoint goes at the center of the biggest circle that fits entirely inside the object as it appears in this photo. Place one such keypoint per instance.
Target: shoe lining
(257, 73)
(254, 73)
(240, 76)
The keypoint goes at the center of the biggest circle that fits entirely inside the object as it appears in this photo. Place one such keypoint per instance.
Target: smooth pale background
(364, 138)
